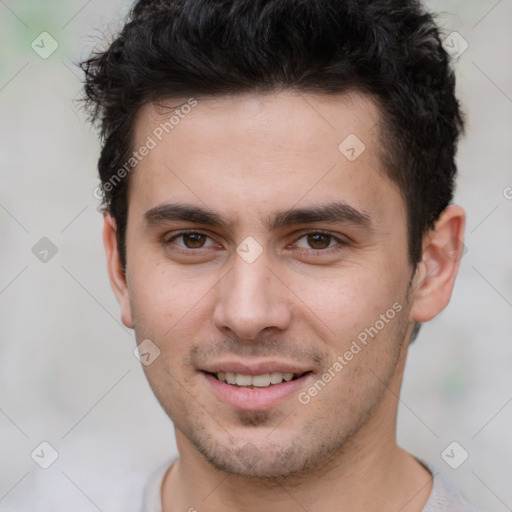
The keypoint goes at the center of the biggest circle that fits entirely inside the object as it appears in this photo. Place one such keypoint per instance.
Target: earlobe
(115, 270)
(443, 248)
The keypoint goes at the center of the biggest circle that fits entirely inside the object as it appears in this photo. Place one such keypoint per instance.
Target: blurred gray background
(68, 375)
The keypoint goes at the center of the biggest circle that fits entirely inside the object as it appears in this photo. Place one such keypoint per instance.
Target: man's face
(255, 289)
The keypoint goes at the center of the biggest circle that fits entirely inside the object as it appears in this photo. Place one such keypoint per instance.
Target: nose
(251, 298)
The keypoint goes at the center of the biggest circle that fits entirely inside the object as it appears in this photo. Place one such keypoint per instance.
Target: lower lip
(252, 399)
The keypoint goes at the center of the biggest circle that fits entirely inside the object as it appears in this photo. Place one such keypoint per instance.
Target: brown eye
(194, 240)
(190, 246)
(189, 240)
(319, 240)
(319, 243)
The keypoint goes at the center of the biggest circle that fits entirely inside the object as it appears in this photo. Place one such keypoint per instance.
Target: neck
(366, 478)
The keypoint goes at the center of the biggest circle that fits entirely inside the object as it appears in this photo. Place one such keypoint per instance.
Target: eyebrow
(337, 212)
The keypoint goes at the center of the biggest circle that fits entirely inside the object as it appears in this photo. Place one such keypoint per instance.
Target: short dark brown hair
(390, 49)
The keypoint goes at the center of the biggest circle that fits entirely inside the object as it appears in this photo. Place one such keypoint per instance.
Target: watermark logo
(452, 248)
(44, 45)
(455, 45)
(147, 352)
(455, 455)
(352, 147)
(44, 250)
(249, 250)
(44, 455)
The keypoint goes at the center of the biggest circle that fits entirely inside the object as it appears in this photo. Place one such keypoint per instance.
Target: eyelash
(339, 245)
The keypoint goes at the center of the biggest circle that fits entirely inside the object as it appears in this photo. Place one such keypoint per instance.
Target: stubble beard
(314, 450)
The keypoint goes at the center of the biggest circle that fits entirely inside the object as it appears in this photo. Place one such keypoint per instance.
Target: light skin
(303, 300)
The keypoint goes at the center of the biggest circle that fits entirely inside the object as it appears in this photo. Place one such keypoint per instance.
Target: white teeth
(230, 378)
(243, 380)
(276, 377)
(259, 381)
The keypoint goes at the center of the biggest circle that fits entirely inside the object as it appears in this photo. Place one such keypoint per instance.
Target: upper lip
(256, 368)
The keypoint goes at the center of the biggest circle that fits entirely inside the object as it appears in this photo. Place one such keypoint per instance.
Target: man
(277, 178)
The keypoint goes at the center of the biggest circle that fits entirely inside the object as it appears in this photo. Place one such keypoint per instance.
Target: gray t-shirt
(443, 498)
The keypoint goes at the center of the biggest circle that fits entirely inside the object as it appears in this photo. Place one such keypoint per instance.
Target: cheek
(164, 303)
(349, 300)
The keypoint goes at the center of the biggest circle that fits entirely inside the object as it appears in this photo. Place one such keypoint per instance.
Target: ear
(443, 248)
(115, 269)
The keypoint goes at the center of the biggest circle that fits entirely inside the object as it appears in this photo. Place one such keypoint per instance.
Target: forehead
(285, 120)
(259, 149)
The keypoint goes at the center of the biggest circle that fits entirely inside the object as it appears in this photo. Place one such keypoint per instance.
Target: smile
(255, 381)
(255, 392)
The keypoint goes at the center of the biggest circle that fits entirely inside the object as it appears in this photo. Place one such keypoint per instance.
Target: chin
(264, 458)
(251, 462)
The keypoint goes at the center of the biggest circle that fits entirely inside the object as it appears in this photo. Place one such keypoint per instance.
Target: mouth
(255, 391)
(265, 380)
